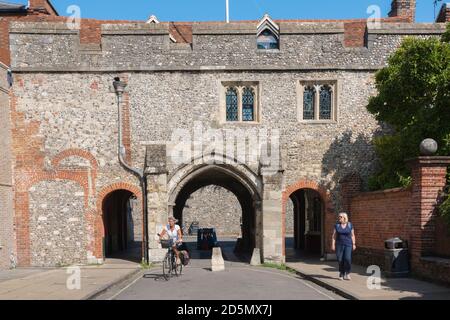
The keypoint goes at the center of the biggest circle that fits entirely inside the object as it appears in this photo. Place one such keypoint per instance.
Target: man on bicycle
(175, 235)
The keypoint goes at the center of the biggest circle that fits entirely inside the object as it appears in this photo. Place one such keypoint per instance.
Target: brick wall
(410, 214)
(444, 14)
(378, 216)
(355, 34)
(6, 212)
(41, 7)
(404, 9)
(442, 247)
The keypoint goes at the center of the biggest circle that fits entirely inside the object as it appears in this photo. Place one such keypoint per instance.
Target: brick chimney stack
(41, 7)
(444, 14)
(403, 9)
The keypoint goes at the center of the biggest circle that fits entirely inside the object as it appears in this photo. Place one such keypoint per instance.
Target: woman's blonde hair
(344, 215)
(172, 218)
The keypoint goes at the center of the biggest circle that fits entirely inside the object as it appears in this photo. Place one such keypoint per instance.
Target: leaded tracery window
(317, 101)
(325, 103)
(248, 105)
(308, 103)
(232, 105)
(240, 101)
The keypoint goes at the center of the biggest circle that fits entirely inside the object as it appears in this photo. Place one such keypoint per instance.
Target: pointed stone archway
(259, 192)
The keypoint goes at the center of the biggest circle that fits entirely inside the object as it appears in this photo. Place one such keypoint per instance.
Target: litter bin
(396, 255)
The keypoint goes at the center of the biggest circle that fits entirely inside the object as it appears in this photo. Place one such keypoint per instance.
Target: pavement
(239, 281)
(325, 274)
(62, 283)
(311, 279)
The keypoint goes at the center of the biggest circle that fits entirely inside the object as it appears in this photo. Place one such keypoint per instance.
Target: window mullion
(255, 104)
(332, 102)
(239, 104)
(317, 103)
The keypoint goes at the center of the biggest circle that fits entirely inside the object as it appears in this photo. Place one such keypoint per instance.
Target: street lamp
(119, 88)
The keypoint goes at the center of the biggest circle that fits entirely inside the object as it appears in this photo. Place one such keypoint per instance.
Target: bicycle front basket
(165, 244)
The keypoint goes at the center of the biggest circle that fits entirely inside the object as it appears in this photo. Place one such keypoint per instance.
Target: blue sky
(207, 10)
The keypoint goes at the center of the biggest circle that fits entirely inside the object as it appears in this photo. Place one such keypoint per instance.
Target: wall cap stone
(437, 260)
(430, 160)
(382, 193)
(407, 28)
(224, 28)
(251, 28)
(135, 29)
(41, 28)
(150, 68)
(311, 27)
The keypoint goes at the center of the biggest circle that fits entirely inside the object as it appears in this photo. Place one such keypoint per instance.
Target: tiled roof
(7, 6)
(181, 31)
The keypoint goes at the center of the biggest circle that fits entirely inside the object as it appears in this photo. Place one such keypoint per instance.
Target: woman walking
(344, 242)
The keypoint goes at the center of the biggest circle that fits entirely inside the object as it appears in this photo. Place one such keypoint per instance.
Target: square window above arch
(239, 102)
(317, 101)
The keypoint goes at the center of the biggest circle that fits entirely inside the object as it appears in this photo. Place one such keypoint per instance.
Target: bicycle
(170, 266)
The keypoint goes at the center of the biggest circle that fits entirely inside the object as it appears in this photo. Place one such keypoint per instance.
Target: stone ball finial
(428, 147)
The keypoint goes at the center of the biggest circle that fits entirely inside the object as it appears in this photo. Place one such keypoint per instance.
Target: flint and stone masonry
(64, 129)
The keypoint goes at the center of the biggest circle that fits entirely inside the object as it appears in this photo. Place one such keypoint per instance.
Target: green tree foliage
(446, 35)
(414, 99)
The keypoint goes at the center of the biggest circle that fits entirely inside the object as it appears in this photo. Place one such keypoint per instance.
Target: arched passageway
(305, 215)
(214, 175)
(213, 207)
(121, 221)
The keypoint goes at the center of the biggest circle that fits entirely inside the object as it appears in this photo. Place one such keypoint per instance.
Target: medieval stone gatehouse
(287, 98)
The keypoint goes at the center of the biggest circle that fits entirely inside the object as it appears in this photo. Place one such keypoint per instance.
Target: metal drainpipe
(139, 173)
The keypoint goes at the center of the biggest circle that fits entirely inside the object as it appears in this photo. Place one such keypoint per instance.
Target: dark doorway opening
(120, 209)
(306, 208)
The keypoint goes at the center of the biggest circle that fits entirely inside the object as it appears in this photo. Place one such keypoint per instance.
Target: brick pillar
(444, 14)
(428, 174)
(42, 7)
(404, 9)
(350, 187)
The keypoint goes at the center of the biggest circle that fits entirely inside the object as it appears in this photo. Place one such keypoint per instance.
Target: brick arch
(324, 194)
(115, 187)
(75, 153)
(96, 216)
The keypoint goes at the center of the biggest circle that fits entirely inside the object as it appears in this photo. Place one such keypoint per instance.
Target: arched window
(308, 103)
(248, 105)
(268, 40)
(232, 105)
(325, 103)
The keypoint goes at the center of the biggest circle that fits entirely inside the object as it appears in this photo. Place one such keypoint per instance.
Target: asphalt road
(239, 281)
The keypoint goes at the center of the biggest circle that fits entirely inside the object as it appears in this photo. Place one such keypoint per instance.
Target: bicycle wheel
(167, 266)
(179, 270)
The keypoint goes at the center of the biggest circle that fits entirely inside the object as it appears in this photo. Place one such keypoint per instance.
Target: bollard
(256, 257)
(217, 262)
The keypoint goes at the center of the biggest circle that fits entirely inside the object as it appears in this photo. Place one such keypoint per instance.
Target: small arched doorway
(304, 224)
(122, 236)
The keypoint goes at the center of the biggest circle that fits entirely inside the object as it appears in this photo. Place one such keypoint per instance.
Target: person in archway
(173, 231)
(344, 242)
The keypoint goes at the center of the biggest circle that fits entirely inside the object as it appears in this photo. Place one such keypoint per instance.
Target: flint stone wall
(66, 90)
